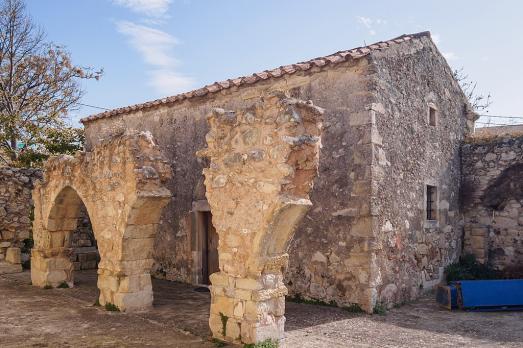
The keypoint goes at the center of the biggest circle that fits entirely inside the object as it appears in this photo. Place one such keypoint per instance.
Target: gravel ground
(33, 317)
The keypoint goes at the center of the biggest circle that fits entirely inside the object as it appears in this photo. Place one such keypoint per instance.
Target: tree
(479, 102)
(39, 85)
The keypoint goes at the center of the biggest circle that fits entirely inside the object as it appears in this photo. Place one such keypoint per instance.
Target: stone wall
(85, 254)
(320, 263)
(15, 215)
(493, 201)
(364, 235)
(408, 154)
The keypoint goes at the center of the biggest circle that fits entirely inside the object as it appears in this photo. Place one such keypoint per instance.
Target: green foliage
(224, 319)
(353, 308)
(111, 307)
(469, 269)
(63, 285)
(218, 343)
(54, 141)
(97, 303)
(380, 309)
(268, 343)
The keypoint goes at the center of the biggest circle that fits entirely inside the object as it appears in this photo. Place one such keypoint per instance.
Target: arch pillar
(51, 257)
(121, 182)
(263, 163)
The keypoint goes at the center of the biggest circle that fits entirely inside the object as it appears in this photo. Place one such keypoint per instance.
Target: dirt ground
(33, 317)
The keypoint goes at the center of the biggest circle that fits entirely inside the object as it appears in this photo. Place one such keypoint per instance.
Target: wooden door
(212, 247)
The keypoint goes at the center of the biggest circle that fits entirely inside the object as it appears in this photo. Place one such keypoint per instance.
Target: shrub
(380, 309)
(468, 268)
(111, 307)
(354, 308)
(224, 320)
(268, 343)
(63, 285)
(219, 343)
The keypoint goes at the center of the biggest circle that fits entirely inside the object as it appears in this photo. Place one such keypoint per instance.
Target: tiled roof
(332, 59)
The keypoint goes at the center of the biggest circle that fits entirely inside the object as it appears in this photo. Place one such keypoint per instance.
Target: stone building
(385, 216)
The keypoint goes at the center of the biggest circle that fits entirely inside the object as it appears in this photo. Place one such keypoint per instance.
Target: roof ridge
(331, 59)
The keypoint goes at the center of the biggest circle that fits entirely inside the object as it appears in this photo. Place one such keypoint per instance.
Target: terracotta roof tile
(263, 75)
(249, 79)
(276, 72)
(332, 59)
(237, 81)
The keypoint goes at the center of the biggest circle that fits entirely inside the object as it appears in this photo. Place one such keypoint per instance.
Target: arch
(263, 161)
(508, 185)
(121, 183)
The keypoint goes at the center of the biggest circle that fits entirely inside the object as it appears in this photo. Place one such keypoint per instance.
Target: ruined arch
(263, 161)
(121, 183)
(507, 186)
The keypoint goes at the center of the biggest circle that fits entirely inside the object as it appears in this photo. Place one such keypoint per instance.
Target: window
(433, 115)
(432, 199)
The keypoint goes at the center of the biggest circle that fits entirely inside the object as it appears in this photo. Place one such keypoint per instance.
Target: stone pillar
(263, 162)
(249, 309)
(51, 267)
(127, 290)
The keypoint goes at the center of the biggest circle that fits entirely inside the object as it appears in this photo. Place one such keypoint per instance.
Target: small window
(432, 197)
(433, 115)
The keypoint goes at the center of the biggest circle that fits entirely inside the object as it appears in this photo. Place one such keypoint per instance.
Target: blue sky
(155, 48)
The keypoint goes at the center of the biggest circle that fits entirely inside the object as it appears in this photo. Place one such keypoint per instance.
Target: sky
(156, 48)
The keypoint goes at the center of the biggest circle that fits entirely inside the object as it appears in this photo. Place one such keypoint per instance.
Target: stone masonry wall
(493, 201)
(408, 155)
(321, 265)
(15, 214)
(364, 239)
(85, 254)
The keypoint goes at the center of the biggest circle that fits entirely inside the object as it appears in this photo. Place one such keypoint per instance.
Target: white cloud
(157, 49)
(366, 21)
(169, 82)
(155, 45)
(150, 8)
(370, 23)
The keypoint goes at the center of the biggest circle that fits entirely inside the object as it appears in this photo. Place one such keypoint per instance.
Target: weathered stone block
(13, 256)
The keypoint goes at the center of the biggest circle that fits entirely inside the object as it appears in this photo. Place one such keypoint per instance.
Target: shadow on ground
(67, 318)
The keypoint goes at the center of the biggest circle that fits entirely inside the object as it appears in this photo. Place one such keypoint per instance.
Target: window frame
(435, 205)
(432, 115)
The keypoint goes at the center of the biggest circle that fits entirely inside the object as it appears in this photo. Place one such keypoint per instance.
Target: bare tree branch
(479, 102)
(39, 85)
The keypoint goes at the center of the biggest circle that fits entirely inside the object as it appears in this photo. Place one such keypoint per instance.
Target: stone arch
(281, 228)
(507, 186)
(263, 160)
(121, 183)
(63, 215)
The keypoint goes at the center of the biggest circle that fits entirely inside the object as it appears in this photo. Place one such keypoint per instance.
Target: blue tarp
(491, 294)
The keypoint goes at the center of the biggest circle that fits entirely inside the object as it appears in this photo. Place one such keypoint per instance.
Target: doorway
(209, 247)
